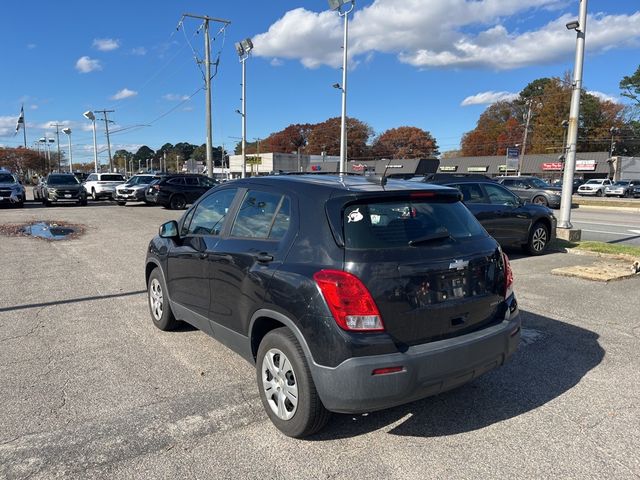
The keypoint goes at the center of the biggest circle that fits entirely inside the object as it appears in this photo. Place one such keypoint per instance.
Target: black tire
(538, 239)
(540, 200)
(122, 204)
(46, 202)
(177, 202)
(163, 317)
(599, 193)
(94, 195)
(309, 415)
(83, 203)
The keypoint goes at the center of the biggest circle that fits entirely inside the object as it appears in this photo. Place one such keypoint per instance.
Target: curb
(599, 207)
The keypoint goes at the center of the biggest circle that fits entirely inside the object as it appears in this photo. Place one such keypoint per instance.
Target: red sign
(358, 167)
(555, 166)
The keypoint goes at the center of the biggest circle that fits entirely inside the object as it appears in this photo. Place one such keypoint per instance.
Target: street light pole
(572, 135)
(244, 49)
(68, 132)
(90, 116)
(337, 5)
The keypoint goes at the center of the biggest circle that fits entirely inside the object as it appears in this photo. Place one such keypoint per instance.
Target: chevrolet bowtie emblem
(458, 264)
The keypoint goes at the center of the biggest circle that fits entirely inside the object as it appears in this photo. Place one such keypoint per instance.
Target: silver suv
(133, 190)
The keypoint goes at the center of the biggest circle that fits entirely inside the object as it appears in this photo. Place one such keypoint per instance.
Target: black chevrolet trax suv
(348, 295)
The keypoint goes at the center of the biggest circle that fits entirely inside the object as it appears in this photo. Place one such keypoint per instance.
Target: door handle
(264, 257)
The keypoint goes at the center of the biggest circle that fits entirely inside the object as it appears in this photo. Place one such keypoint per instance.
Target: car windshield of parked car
(62, 180)
(139, 180)
(7, 178)
(397, 223)
(594, 182)
(539, 183)
(110, 177)
(621, 183)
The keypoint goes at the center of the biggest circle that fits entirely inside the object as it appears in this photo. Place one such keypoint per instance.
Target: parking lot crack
(38, 324)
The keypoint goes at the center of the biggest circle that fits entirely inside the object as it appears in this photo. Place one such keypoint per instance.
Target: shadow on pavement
(71, 300)
(552, 358)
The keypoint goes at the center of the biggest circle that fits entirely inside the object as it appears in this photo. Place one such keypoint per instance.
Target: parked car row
(623, 188)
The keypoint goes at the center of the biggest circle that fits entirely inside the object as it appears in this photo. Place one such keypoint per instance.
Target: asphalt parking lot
(90, 389)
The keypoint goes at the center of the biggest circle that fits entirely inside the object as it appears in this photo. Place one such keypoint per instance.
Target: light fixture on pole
(563, 156)
(572, 134)
(90, 116)
(337, 5)
(244, 49)
(68, 132)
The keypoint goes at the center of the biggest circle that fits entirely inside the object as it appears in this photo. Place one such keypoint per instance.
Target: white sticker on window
(355, 216)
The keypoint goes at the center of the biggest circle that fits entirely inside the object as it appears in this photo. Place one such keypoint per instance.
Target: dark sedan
(60, 188)
(177, 191)
(507, 218)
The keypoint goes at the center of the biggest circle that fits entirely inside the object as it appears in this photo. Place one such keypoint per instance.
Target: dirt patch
(600, 271)
(44, 230)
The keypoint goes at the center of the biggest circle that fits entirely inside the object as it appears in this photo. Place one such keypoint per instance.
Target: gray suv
(533, 189)
(11, 190)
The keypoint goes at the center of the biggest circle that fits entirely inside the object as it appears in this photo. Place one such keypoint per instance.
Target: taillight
(349, 300)
(508, 277)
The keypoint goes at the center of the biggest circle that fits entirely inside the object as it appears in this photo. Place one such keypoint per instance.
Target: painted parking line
(607, 224)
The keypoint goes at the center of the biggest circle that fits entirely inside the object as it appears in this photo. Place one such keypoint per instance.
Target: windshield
(594, 182)
(539, 183)
(7, 178)
(621, 183)
(111, 178)
(405, 223)
(140, 180)
(62, 180)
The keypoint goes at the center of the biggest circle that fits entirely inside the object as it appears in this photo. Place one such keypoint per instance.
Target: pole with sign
(513, 159)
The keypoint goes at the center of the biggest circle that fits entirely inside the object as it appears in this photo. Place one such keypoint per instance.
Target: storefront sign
(585, 165)
(358, 167)
(477, 169)
(552, 166)
(448, 168)
(316, 168)
(507, 168)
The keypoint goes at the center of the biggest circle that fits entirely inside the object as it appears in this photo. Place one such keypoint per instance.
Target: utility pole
(564, 222)
(106, 127)
(164, 157)
(207, 79)
(525, 135)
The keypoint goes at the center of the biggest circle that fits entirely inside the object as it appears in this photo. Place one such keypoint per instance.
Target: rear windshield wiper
(432, 237)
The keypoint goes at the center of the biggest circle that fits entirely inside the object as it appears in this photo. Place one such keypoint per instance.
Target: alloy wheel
(539, 239)
(280, 384)
(156, 299)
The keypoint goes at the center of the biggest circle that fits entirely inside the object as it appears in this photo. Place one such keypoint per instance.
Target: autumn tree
(19, 160)
(491, 126)
(630, 86)
(404, 142)
(325, 137)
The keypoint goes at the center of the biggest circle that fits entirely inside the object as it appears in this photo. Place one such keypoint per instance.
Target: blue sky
(412, 62)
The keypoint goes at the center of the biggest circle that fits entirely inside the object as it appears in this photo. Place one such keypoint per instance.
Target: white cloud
(124, 93)
(174, 97)
(487, 98)
(8, 126)
(31, 46)
(276, 62)
(434, 33)
(140, 51)
(86, 65)
(106, 44)
(604, 96)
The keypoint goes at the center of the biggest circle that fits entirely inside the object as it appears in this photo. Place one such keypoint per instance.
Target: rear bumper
(428, 369)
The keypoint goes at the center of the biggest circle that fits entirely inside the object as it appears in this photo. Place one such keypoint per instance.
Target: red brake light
(349, 300)
(421, 194)
(387, 370)
(508, 277)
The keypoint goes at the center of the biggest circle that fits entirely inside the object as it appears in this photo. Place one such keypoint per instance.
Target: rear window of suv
(397, 223)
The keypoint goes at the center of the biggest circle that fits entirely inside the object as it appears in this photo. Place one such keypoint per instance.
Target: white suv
(595, 186)
(100, 185)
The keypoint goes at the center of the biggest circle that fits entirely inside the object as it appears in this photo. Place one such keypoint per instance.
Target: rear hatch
(431, 268)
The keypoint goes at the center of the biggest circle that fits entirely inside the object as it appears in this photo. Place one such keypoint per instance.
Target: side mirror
(169, 229)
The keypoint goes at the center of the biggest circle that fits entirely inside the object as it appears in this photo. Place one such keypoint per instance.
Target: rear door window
(499, 195)
(262, 215)
(192, 181)
(176, 181)
(396, 223)
(471, 193)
